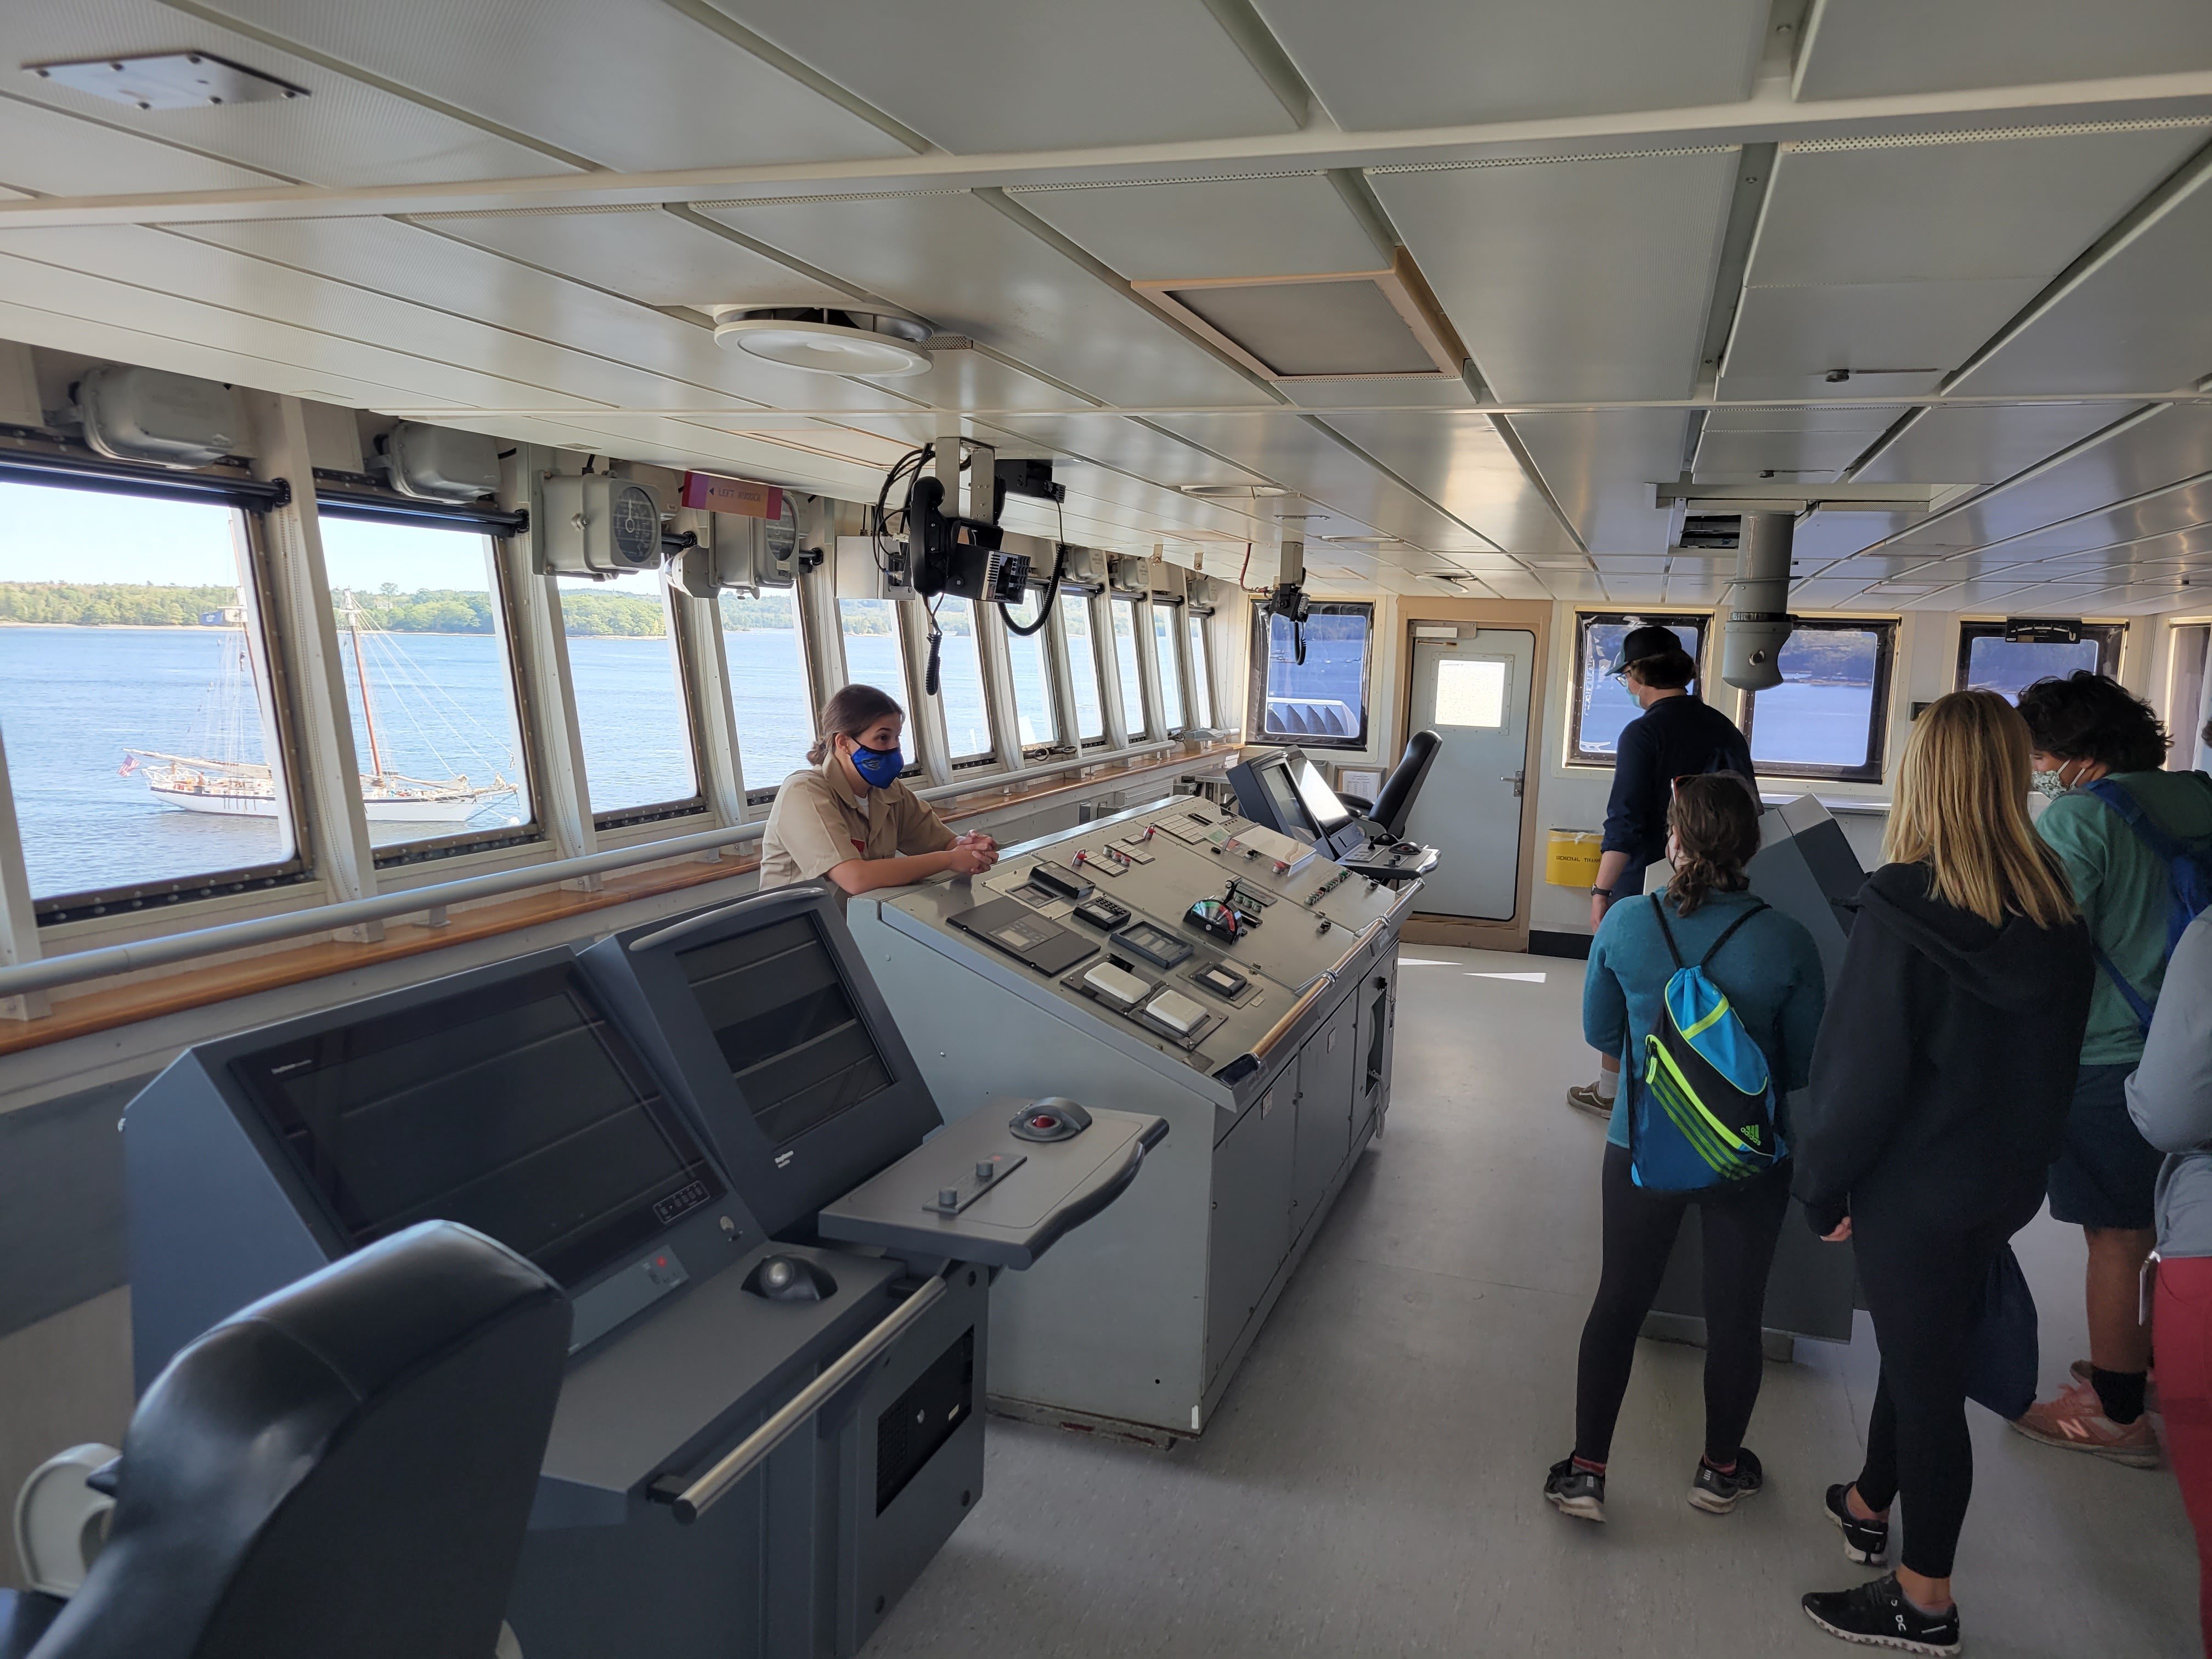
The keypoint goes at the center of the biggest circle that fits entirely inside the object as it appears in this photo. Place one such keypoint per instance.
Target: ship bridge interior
(451, 454)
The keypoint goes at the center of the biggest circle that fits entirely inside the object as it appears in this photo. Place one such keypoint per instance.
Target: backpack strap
(1728, 933)
(2122, 801)
(2129, 994)
(1665, 933)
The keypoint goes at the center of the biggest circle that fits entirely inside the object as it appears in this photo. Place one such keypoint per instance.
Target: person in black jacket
(1941, 1085)
(1677, 735)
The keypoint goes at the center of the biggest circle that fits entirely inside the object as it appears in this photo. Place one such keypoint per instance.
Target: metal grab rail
(80, 965)
(749, 1453)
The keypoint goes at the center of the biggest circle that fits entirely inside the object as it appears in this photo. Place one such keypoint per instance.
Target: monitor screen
(1322, 806)
(1291, 817)
(795, 1045)
(515, 1109)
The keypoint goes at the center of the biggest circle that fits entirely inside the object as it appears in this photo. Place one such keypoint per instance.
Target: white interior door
(1473, 691)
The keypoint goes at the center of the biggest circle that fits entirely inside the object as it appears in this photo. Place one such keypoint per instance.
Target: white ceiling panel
(1954, 212)
(1297, 453)
(1572, 279)
(970, 269)
(1981, 444)
(977, 75)
(1893, 336)
(631, 84)
(2174, 445)
(1459, 461)
(343, 132)
(646, 253)
(59, 154)
(1213, 228)
(1726, 456)
(1857, 48)
(1445, 63)
(2166, 513)
(2136, 322)
(1602, 468)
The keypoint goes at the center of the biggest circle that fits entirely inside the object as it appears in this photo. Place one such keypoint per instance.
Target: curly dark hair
(2092, 716)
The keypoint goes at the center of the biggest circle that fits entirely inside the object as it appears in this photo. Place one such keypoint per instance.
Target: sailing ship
(233, 787)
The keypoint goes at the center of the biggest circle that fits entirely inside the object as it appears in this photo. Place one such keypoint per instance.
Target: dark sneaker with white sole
(1864, 1541)
(1575, 1492)
(1584, 1098)
(1717, 1493)
(1876, 1614)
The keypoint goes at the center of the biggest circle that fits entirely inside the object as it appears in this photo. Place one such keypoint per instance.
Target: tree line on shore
(586, 614)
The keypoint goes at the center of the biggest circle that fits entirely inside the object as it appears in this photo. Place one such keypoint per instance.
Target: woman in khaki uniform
(850, 820)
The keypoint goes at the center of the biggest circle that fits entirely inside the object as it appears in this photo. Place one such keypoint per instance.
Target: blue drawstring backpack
(2188, 861)
(1705, 1114)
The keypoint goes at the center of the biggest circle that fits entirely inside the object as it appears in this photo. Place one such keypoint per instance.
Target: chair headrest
(343, 1469)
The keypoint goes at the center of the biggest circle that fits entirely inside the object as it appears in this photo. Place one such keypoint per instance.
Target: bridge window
(1033, 704)
(960, 685)
(1830, 716)
(1201, 672)
(769, 698)
(1083, 666)
(1321, 702)
(631, 711)
(874, 655)
(429, 684)
(1990, 662)
(143, 746)
(1125, 656)
(1163, 654)
(1602, 703)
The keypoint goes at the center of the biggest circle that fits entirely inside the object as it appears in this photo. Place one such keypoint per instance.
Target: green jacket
(2124, 893)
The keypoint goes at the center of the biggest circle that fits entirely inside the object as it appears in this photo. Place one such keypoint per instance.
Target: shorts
(2107, 1173)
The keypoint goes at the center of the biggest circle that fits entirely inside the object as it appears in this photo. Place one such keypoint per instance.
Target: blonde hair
(1961, 809)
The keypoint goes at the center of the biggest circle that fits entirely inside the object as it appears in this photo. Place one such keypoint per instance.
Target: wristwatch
(1601, 892)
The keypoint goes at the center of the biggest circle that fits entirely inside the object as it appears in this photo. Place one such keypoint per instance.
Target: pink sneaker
(2075, 1420)
(2080, 1369)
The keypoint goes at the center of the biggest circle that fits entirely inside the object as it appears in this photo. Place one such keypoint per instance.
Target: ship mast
(361, 673)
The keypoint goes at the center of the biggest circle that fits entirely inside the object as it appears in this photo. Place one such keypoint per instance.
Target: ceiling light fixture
(1219, 492)
(824, 341)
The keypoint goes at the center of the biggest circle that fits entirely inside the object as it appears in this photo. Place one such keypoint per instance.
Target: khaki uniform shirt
(817, 824)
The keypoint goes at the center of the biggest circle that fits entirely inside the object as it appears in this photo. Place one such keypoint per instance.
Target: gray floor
(1371, 1487)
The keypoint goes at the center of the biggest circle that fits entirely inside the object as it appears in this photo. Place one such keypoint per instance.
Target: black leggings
(1923, 1278)
(1740, 1225)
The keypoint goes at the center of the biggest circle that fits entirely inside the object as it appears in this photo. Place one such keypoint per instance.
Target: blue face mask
(878, 768)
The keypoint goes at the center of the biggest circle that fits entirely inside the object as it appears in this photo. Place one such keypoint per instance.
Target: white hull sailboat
(247, 789)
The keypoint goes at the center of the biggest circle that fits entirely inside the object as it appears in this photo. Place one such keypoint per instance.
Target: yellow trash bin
(1570, 858)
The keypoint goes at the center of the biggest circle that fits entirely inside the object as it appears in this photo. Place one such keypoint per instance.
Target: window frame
(1578, 693)
(1257, 735)
(1042, 639)
(406, 854)
(265, 645)
(1885, 663)
(659, 811)
(2112, 639)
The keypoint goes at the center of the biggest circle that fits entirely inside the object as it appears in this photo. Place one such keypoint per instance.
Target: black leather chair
(1393, 805)
(344, 1470)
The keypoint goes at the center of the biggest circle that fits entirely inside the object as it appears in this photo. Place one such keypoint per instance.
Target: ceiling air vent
(1340, 326)
(1723, 530)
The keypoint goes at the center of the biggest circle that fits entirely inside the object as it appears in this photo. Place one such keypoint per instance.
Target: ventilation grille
(1994, 134)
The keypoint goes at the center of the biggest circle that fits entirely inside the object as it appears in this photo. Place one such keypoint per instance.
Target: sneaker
(1876, 1614)
(1717, 1493)
(2082, 1370)
(1575, 1492)
(1584, 1098)
(1864, 1541)
(2075, 1420)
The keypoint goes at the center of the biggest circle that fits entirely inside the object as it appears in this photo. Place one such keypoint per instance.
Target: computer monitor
(514, 1108)
(771, 1035)
(1322, 803)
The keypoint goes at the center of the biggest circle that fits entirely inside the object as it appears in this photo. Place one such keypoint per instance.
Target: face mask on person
(878, 768)
(2052, 784)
